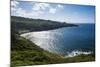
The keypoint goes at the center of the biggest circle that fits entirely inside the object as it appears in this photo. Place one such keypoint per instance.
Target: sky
(69, 13)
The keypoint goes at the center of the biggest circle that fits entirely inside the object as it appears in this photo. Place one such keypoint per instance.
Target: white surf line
(76, 53)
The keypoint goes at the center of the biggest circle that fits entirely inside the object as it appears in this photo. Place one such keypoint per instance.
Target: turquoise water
(67, 40)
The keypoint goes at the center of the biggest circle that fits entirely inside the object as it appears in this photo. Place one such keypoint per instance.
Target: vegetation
(25, 24)
(24, 52)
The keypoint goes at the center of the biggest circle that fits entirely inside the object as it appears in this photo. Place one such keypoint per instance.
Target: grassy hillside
(24, 52)
(25, 24)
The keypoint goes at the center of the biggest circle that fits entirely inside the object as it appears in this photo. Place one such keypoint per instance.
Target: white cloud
(30, 14)
(14, 3)
(40, 6)
(13, 9)
(37, 9)
(60, 6)
(26, 13)
(21, 12)
(52, 10)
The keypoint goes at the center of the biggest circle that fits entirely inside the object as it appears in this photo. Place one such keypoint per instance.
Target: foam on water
(76, 53)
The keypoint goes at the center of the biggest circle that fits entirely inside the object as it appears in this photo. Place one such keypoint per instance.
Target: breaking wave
(76, 53)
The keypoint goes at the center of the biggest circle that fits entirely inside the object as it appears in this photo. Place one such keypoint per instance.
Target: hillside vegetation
(23, 25)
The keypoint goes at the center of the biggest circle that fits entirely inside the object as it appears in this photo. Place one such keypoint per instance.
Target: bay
(67, 41)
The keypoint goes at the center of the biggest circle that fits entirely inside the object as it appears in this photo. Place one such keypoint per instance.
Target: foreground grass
(26, 58)
(24, 52)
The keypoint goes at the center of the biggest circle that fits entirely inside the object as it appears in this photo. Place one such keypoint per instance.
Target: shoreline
(46, 30)
(43, 30)
(70, 54)
(77, 24)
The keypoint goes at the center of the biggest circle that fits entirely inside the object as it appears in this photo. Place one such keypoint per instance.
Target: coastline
(55, 58)
(71, 54)
(25, 52)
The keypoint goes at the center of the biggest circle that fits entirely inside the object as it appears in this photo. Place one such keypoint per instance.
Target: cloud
(37, 10)
(14, 3)
(52, 10)
(60, 6)
(13, 9)
(30, 14)
(40, 6)
(18, 11)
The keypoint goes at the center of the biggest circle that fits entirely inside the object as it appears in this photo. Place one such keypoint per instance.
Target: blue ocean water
(65, 40)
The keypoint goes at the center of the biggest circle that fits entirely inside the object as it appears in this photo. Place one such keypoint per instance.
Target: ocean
(66, 41)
